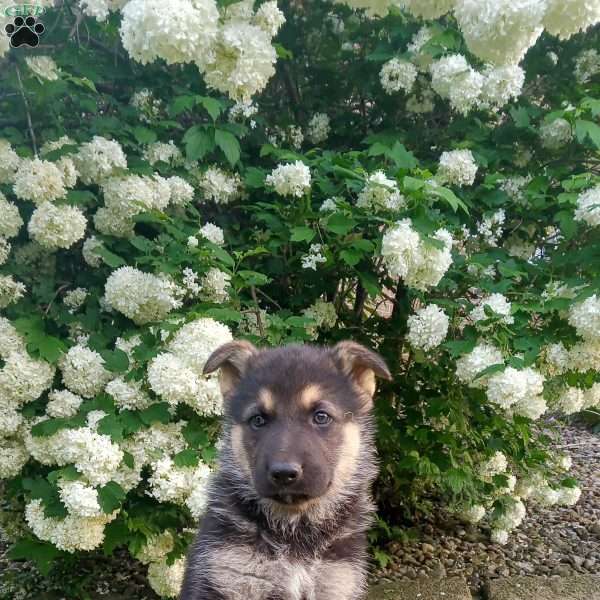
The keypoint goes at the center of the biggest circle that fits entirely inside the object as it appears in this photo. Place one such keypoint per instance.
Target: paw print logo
(24, 32)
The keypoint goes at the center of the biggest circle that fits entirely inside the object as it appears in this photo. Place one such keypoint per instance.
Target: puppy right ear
(231, 359)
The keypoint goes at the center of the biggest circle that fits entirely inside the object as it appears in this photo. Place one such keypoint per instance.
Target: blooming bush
(287, 174)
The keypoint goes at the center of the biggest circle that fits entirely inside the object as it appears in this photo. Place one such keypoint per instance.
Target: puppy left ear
(231, 359)
(362, 366)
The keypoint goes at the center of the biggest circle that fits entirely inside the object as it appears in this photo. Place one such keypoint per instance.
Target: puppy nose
(283, 474)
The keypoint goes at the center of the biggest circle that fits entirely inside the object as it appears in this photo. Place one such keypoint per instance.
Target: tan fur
(309, 396)
(348, 455)
(237, 445)
(266, 402)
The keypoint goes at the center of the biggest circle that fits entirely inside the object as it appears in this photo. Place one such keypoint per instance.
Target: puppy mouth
(290, 499)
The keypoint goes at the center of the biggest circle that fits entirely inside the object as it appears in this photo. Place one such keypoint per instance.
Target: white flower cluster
(380, 192)
(588, 207)
(212, 233)
(587, 65)
(83, 371)
(518, 390)
(11, 291)
(176, 375)
(318, 128)
(219, 186)
(56, 227)
(166, 580)
(498, 304)
(398, 75)
(99, 159)
(9, 162)
(214, 285)
(514, 512)
(143, 297)
(100, 9)
(490, 227)
(71, 533)
(324, 315)
(63, 404)
(585, 317)
(457, 167)
(565, 18)
(556, 134)
(572, 400)
(39, 181)
(407, 255)
(480, 358)
(314, 257)
(44, 67)
(148, 106)
(495, 465)
(168, 153)
(428, 328)
(290, 179)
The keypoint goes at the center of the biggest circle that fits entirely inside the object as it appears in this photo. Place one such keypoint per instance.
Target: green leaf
(198, 143)
(213, 107)
(229, 145)
(222, 255)
(43, 554)
(340, 223)
(587, 129)
(116, 361)
(351, 257)
(115, 534)
(112, 426)
(110, 258)
(181, 104)
(450, 197)
(110, 497)
(520, 117)
(491, 370)
(402, 157)
(456, 480)
(69, 473)
(302, 234)
(253, 277)
(254, 178)
(158, 412)
(411, 184)
(186, 458)
(370, 282)
(144, 135)
(226, 315)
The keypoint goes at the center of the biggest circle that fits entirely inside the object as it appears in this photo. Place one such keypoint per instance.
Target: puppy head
(296, 413)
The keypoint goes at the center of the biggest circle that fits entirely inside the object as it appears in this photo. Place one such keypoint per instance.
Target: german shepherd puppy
(289, 505)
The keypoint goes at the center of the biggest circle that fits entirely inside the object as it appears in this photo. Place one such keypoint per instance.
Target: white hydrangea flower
(420, 264)
(532, 407)
(490, 227)
(313, 258)
(13, 457)
(80, 500)
(142, 297)
(499, 305)
(269, 18)
(63, 404)
(318, 128)
(130, 195)
(329, 205)
(69, 534)
(474, 514)
(587, 65)
(128, 395)
(501, 85)
(158, 440)
(169, 483)
(290, 180)
(495, 465)
(100, 9)
(564, 462)
(571, 401)
(585, 317)
(83, 371)
(569, 496)
(9, 162)
(90, 246)
(110, 221)
(323, 313)
(427, 9)
(75, 298)
(44, 67)
(380, 192)
(592, 397)
(167, 580)
(214, 285)
(514, 513)
(182, 193)
(148, 107)
(480, 358)
(56, 227)
(397, 75)
(453, 78)
(500, 31)
(11, 291)
(241, 62)
(499, 536)
(428, 328)
(515, 187)
(544, 495)
(457, 167)
(24, 379)
(219, 186)
(57, 144)
(565, 18)
(156, 548)
(422, 102)
(10, 339)
(99, 159)
(556, 134)
(68, 170)
(588, 207)
(10, 218)
(510, 386)
(198, 496)
(172, 380)
(39, 181)
(149, 31)
(160, 152)
(372, 8)
(585, 356)
(212, 233)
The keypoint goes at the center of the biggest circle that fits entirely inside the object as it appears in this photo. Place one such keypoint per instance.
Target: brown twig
(27, 111)
(259, 322)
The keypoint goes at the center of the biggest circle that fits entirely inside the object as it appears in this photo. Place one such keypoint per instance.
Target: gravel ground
(555, 541)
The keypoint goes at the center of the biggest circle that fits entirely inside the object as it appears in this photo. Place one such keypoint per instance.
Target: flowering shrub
(287, 174)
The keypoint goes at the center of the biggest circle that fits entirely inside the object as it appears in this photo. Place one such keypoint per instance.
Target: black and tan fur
(290, 503)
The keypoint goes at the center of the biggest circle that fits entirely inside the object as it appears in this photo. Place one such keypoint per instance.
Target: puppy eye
(257, 421)
(322, 418)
